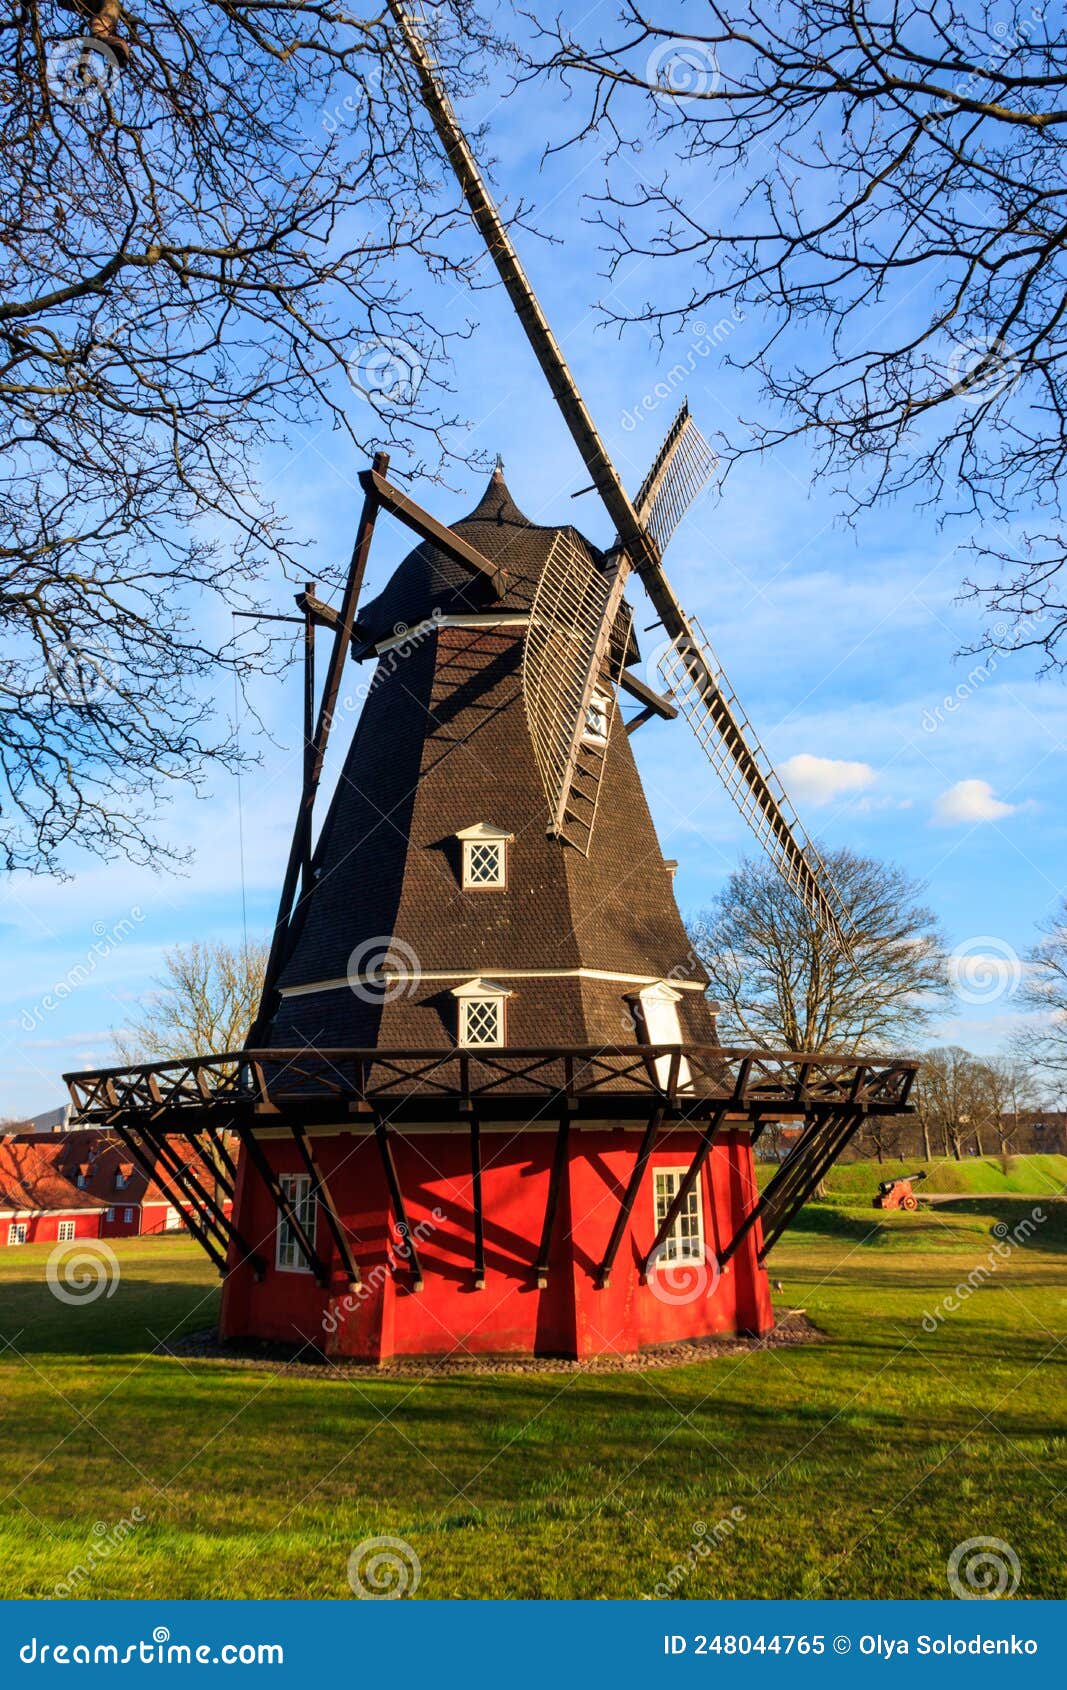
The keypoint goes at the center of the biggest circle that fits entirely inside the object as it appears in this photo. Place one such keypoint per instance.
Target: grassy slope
(979, 1175)
(858, 1464)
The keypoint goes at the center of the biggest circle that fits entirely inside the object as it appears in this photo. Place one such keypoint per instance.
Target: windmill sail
(566, 652)
(681, 468)
(713, 712)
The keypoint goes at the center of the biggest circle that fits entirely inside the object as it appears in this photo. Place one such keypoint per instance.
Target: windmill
(485, 1059)
(575, 615)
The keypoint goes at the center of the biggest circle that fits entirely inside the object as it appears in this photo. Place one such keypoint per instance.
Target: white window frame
(16, 1232)
(685, 1241)
(472, 1013)
(483, 838)
(109, 1213)
(597, 728)
(127, 1216)
(121, 1180)
(288, 1256)
(471, 1000)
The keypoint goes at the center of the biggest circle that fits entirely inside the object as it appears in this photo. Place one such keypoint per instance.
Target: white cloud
(815, 780)
(970, 801)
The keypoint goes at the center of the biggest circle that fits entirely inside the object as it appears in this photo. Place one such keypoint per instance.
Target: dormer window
(598, 718)
(485, 857)
(481, 1017)
(656, 1020)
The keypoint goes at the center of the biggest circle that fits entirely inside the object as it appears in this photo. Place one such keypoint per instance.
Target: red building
(484, 1109)
(37, 1205)
(131, 1201)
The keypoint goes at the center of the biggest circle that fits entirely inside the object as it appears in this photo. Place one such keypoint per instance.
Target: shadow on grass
(119, 1314)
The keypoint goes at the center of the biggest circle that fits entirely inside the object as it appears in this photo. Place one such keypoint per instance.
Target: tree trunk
(928, 1153)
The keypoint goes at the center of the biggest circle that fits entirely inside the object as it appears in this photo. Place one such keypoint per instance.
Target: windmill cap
(429, 581)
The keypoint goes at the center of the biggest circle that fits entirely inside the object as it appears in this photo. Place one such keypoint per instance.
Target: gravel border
(791, 1328)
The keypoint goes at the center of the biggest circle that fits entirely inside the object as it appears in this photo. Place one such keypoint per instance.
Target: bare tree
(780, 982)
(208, 213)
(882, 189)
(203, 1003)
(1009, 1090)
(953, 1088)
(1045, 992)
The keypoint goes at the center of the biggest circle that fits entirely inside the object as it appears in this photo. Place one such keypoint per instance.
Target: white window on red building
(16, 1232)
(172, 1220)
(127, 1215)
(290, 1257)
(65, 1232)
(109, 1214)
(685, 1241)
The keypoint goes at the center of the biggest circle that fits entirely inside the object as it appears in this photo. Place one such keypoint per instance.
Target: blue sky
(840, 642)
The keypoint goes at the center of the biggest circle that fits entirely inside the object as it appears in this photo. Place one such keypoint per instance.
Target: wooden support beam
(779, 1194)
(427, 527)
(202, 1236)
(309, 745)
(403, 1226)
(209, 1210)
(656, 703)
(555, 1182)
(689, 1181)
(829, 1151)
(329, 1208)
(476, 1191)
(321, 614)
(300, 845)
(637, 1174)
(283, 1205)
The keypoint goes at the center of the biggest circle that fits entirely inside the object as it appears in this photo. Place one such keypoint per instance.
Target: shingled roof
(431, 580)
(443, 745)
(31, 1183)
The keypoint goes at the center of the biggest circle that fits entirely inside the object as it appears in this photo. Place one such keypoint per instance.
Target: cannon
(897, 1193)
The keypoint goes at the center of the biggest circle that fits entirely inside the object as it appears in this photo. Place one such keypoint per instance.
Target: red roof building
(38, 1204)
(98, 1168)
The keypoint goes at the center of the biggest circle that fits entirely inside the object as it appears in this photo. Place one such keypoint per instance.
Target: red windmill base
(533, 1285)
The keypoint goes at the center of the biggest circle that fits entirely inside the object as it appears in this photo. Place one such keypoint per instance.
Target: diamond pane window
(596, 718)
(485, 864)
(481, 1021)
(485, 857)
(685, 1241)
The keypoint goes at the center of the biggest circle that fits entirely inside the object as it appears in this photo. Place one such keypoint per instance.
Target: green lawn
(848, 1468)
(1025, 1176)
